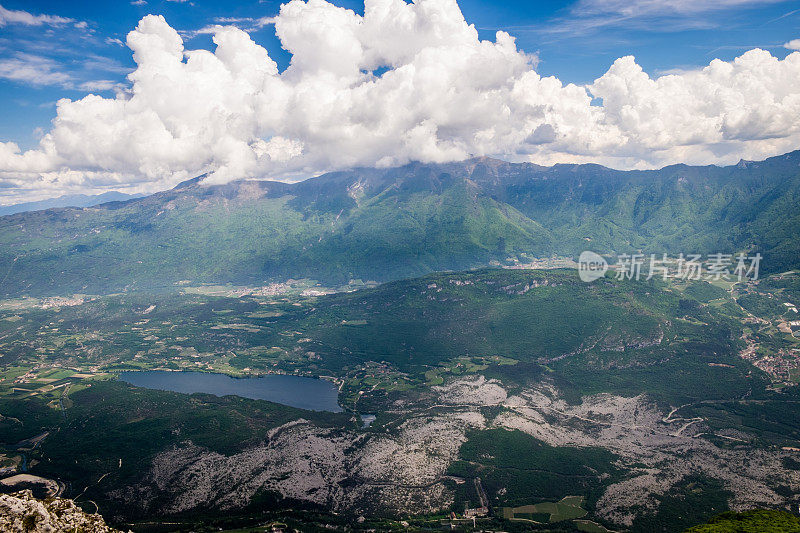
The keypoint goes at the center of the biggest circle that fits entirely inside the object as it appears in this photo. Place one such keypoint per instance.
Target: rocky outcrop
(397, 472)
(20, 512)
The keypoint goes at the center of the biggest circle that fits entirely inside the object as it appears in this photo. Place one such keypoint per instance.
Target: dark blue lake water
(296, 391)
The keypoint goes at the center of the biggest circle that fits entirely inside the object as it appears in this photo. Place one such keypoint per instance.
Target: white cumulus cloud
(10, 16)
(33, 69)
(442, 95)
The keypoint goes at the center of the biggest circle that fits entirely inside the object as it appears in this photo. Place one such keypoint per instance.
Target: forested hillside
(394, 223)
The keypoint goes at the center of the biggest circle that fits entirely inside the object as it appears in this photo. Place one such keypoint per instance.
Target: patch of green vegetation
(57, 373)
(693, 500)
(762, 304)
(755, 521)
(23, 419)
(432, 377)
(9, 374)
(703, 291)
(568, 508)
(517, 469)
(786, 285)
(773, 421)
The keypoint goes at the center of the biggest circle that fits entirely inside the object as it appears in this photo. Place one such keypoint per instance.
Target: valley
(632, 395)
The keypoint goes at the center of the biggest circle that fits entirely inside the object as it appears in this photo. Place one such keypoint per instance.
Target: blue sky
(622, 83)
(576, 42)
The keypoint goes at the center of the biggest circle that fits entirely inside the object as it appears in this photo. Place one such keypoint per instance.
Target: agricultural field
(568, 508)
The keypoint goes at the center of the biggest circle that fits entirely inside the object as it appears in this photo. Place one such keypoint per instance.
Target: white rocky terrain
(339, 469)
(20, 512)
(670, 448)
(403, 466)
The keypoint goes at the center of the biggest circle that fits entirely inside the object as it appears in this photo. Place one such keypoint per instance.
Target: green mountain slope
(676, 209)
(394, 223)
(760, 521)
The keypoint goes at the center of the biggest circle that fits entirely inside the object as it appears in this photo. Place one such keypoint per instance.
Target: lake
(295, 391)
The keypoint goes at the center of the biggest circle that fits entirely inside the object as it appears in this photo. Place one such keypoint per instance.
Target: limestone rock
(20, 512)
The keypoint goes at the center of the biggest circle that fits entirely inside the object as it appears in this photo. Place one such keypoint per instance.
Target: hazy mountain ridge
(67, 200)
(385, 224)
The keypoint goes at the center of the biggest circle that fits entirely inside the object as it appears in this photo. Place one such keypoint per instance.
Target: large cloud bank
(404, 82)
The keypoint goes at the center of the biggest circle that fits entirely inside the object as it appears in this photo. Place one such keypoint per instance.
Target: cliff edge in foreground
(21, 512)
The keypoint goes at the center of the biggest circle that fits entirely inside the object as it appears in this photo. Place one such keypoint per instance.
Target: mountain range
(67, 200)
(385, 224)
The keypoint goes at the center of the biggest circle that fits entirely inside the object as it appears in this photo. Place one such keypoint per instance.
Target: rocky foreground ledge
(20, 512)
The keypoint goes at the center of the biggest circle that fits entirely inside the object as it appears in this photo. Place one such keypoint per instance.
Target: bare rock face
(402, 469)
(20, 512)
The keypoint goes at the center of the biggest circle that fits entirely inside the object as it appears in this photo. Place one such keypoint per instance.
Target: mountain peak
(188, 184)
